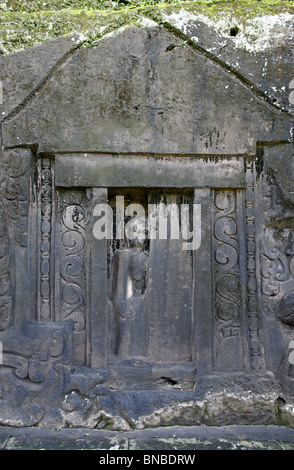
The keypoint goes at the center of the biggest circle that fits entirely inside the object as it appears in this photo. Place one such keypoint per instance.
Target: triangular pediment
(144, 90)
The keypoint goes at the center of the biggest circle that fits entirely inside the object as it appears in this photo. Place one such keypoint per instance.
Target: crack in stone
(42, 83)
(6, 442)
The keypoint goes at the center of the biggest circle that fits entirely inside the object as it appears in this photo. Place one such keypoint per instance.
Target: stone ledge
(175, 438)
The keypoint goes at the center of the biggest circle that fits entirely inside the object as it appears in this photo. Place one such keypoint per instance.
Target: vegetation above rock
(25, 23)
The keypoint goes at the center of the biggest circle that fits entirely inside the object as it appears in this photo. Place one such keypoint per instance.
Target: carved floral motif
(277, 243)
(72, 266)
(14, 186)
(5, 281)
(34, 366)
(276, 257)
(16, 190)
(226, 267)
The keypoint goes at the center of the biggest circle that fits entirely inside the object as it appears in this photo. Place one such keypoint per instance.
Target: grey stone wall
(107, 333)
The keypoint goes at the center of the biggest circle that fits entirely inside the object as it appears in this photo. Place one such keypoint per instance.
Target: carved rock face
(286, 310)
(93, 327)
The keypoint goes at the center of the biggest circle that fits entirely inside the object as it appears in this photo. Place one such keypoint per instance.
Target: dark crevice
(169, 381)
(170, 47)
(234, 31)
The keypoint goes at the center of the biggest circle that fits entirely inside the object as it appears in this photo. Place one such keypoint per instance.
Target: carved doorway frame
(226, 333)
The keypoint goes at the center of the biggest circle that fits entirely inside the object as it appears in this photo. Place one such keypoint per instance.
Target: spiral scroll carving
(72, 266)
(226, 266)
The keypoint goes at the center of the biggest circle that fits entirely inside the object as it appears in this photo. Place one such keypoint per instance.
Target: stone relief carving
(277, 246)
(286, 309)
(48, 367)
(16, 190)
(34, 373)
(72, 267)
(252, 291)
(129, 294)
(34, 366)
(231, 299)
(33, 362)
(46, 308)
(227, 284)
(64, 229)
(5, 274)
(276, 260)
(14, 185)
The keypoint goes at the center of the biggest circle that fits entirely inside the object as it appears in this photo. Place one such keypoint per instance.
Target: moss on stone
(22, 30)
(27, 23)
(241, 10)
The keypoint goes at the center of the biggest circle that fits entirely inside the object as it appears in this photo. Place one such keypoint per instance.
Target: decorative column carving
(5, 274)
(16, 190)
(46, 311)
(252, 293)
(72, 273)
(15, 198)
(226, 266)
(228, 248)
(276, 249)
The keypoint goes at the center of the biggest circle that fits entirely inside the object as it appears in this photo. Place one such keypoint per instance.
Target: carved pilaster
(16, 190)
(5, 274)
(15, 197)
(228, 243)
(45, 290)
(226, 265)
(276, 248)
(72, 273)
(276, 255)
(252, 293)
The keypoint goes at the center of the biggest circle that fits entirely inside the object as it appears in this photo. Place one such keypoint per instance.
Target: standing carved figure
(130, 295)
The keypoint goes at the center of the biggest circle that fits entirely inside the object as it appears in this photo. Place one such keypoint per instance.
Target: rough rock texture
(177, 106)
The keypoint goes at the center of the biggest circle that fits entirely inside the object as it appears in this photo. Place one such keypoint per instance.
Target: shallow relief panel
(29, 351)
(276, 262)
(69, 361)
(120, 333)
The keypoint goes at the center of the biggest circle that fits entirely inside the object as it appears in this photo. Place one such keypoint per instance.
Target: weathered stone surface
(260, 49)
(127, 331)
(154, 441)
(146, 98)
(25, 73)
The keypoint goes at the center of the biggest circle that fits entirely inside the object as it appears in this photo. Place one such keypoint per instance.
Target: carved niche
(129, 313)
(105, 331)
(146, 318)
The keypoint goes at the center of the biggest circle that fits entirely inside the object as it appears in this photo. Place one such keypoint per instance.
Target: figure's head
(136, 232)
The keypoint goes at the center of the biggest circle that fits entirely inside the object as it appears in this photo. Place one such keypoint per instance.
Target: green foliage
(37, 5)
(31, 6)
(25, 23)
